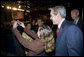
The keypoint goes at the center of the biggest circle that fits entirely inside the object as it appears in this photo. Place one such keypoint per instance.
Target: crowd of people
(39, 39)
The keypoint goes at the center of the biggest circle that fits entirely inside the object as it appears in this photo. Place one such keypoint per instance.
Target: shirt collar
(76, 20)
(61, 23)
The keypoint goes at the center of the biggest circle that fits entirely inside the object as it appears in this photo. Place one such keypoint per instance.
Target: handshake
(16, 24)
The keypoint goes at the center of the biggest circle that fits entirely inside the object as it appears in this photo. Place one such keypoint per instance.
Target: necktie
(57, 31)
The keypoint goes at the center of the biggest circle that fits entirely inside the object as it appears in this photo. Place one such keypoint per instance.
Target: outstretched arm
(28, 30)
(30, 33)
(35, 45)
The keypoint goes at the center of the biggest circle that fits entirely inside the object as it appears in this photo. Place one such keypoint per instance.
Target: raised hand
(21, 24)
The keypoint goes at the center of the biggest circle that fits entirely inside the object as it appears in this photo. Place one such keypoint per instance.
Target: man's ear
(58, 14)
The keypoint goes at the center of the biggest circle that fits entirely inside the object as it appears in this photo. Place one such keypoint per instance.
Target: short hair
(76, 10)
(61, 10)
(46, 36)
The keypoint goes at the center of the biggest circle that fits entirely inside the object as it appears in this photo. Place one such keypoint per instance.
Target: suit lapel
(61, 30)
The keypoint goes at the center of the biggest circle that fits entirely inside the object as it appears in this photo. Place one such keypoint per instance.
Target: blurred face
(53, 17)
(29, 26)
(74, 15)
(40, 22)
(33, 22)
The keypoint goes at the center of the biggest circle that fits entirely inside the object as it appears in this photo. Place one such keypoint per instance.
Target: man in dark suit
(69, 41)
(77, 19)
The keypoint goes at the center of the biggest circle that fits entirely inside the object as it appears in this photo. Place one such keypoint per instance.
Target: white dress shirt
(76, 21)
(61, 23)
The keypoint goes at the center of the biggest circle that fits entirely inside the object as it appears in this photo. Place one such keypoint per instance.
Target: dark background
(37, 8)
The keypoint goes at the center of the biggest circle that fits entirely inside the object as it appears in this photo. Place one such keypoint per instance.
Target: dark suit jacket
(69, 41)
(15, 46)
(80, 24)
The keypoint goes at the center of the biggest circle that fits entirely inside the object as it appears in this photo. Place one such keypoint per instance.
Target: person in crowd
(14, 45)
(76, 17)
(34, 26)
(40, 22)
(42, 41)
(69, 41)
(45, 34)
(33, 23)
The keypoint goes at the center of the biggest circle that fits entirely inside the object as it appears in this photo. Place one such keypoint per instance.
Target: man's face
(73, 15)
(40, 22)
(53, 17)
